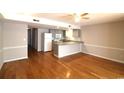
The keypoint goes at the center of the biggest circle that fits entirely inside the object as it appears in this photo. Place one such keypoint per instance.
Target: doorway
(32, 40)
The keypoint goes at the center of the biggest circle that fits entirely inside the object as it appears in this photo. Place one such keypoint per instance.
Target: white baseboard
(15, 59)
(120, 61)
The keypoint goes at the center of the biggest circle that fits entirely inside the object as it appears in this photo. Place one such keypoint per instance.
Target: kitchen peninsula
(62, 49)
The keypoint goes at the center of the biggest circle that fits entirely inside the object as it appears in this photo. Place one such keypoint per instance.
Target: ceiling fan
(78, 16)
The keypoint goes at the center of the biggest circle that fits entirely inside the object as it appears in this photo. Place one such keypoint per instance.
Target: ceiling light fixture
(77, 17)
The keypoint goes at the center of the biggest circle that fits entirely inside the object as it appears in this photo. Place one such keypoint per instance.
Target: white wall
(104, 40)
(40, 31)
(14, 41)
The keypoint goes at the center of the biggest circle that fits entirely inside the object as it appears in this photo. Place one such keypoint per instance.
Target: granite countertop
(67, 42)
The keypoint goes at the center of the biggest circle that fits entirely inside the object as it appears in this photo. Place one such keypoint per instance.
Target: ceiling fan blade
(84, 14)
(67, 17)
(85, 18)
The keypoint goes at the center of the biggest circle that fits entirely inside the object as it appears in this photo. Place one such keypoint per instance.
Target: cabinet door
(76, 33)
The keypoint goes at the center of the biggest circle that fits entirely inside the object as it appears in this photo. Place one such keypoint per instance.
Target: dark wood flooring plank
(41, 65)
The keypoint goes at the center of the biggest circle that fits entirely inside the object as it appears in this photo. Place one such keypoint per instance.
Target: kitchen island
(62, 49)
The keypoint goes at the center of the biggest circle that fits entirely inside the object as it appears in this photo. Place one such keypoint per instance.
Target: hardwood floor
(46, 66)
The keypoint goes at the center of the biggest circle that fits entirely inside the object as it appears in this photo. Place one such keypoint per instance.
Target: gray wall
(34, 38)
(1, 54)
(29, 37)
(104, 40)
(14, 41)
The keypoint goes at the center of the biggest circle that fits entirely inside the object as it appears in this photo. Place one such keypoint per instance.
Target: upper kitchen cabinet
(76, 32)
(57, 33)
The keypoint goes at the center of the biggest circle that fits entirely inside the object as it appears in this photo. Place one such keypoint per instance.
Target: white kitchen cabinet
(62, 50)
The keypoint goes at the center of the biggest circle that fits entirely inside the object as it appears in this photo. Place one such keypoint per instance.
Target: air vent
(69, 25)
(36, 20)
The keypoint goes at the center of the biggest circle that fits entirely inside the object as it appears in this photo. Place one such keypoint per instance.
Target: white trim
(15, 59)
(103, 46)
(120, 61)
(7, 48)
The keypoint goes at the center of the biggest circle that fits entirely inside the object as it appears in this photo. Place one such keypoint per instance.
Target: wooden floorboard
(41, 65)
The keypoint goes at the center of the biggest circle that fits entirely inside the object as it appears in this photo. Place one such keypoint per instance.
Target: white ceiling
(94, 18)
(62, 19)
(42, 21)
(57, 6)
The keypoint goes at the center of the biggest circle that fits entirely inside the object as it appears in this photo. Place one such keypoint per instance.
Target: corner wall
(1, 47)
(104, 40)
(14, 41)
